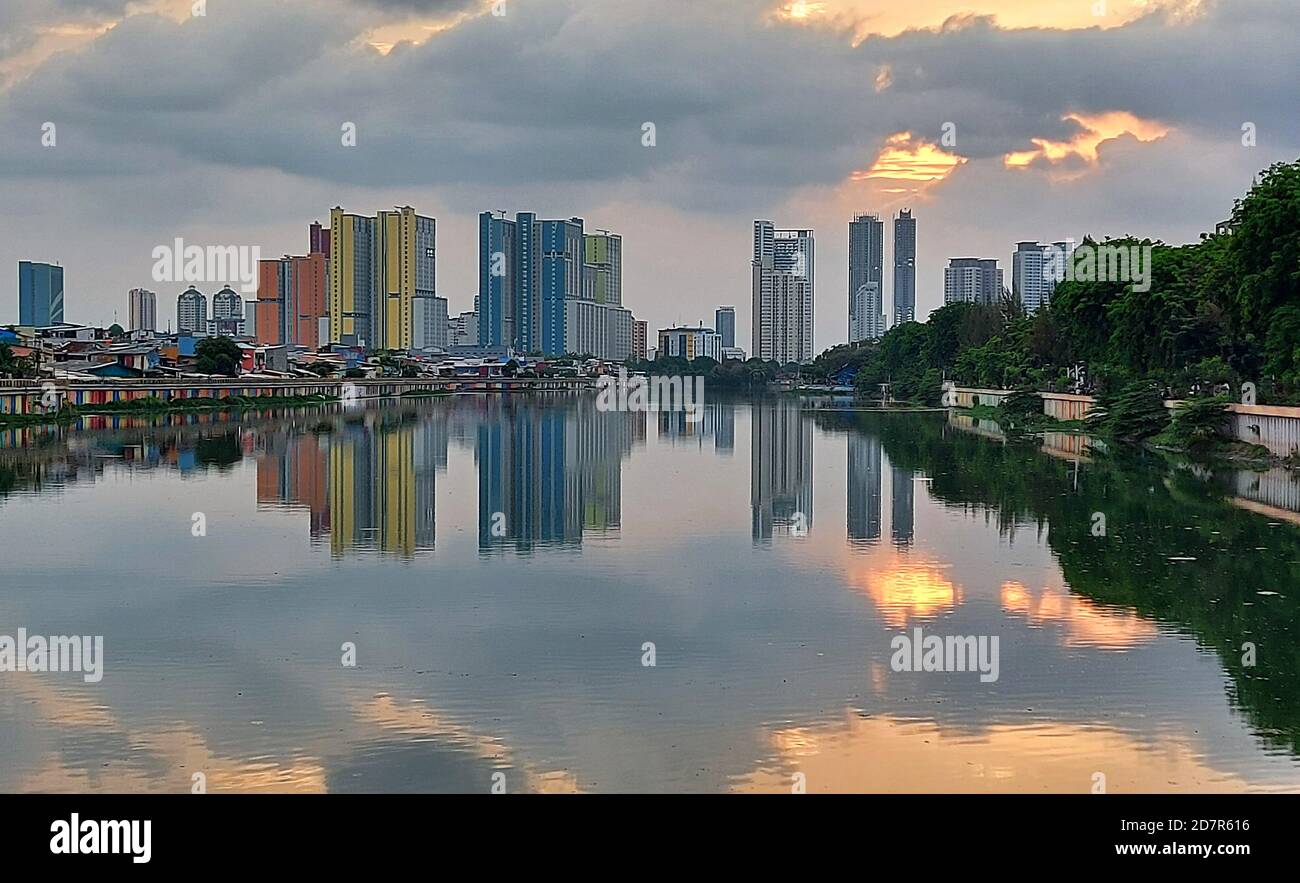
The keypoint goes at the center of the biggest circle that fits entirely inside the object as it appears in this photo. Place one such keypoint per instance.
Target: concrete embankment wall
(30, 397)
(1273, 426)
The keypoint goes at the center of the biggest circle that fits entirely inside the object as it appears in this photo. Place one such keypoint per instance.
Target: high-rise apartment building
(192, 311)
(227, 304)
(380, 268)
(904, 267)
(499, 267)
(639, 331)
(352, 277)
(142, 308)
(690, 343)
(724, 322)
(866, 322)
(604, 254)
(318, 240)
(40, 294)
(431, 323)
(546, 286)
(972, 280)
(866, 278)
(1035, 270)
(783, 285)
(406, 266)
(563, 268)
(463, 330)
(292, 299)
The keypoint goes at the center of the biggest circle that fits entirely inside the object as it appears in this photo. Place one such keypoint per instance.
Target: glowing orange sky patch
(1097, 128)
(910, 160)
(863, 18)
(799, 10)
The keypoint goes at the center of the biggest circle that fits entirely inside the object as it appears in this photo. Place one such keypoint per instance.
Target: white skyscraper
(866, 321)
(783, 274)
(1035, 270)
(143, 309)
(192, 311)
(972, 280)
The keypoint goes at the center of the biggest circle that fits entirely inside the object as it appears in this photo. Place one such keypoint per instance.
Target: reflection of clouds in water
(415, 721)
(423, 751)
(476, 667)
(144, 760)
(1082, 623)
(889, 754)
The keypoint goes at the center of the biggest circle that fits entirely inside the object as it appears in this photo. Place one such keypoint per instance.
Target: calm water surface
(500, 565)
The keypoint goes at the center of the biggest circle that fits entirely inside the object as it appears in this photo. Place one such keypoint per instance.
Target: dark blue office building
(40, 294)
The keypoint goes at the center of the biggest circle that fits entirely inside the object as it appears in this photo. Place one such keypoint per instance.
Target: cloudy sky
(1064, 118)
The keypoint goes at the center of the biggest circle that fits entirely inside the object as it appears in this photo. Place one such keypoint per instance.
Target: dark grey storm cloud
(558, 91)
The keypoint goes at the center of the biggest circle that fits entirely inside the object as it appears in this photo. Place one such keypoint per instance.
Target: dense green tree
(217, 355)
(15, 366)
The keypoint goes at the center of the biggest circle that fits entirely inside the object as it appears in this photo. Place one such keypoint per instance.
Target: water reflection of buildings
(715, 420)
(368, 482)
(864, 497)
(903, 504)
(864, 488)
(381, 480)
(550, 472)
(781, 449)
(291, 473)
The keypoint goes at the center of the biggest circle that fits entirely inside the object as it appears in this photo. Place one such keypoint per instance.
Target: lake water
(508, 568)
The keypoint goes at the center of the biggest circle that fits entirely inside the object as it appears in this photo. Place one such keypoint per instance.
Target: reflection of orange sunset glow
(885, 754)
(1097, 128)
(1083, 623)
(910, 160)
(908, 591)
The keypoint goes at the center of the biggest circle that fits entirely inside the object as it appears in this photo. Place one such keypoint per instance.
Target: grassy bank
(153, 405)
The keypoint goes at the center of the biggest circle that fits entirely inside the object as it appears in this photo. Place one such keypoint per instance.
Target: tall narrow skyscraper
(40, 294)
(142, 307)
(904, 267)
(724, 320)
(352, 277)
(604, 253)
(866, 278)
(783, 276)
(405, 264)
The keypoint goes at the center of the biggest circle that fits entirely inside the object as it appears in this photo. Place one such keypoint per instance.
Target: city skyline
(1098, 167)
